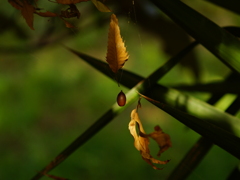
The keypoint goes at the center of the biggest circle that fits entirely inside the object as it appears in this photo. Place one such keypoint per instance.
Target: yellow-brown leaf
(116, 53)
(141, 141)
(162, 139)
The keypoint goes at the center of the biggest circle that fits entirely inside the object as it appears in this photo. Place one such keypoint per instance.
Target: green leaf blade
(217, 40)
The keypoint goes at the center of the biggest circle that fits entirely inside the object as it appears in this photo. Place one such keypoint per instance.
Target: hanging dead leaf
(70, 1)
(100, 6)
(141, 140)
(116, 52)
(26, 9)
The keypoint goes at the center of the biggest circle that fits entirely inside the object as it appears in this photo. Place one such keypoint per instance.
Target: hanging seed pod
(121, 99)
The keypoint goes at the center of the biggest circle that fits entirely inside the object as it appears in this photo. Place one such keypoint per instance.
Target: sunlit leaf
(214, 38)
(100, 6)
(116, 53)
(141, 140)
(232, 5)
(213, 87)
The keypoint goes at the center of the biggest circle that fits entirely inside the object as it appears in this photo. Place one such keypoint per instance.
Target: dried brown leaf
(100, 6)
(27, 13)
(16, 4)
(116, 53)
(163, 139)
(46, 14)
(141, 140)
(70, 1)
(26, 9)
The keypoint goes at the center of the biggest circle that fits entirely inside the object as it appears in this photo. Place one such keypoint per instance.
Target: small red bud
(121, 99)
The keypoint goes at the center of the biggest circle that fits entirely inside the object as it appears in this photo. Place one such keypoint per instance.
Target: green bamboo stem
(214, 38)
(132, 95)
(203, 145)
(196, 114)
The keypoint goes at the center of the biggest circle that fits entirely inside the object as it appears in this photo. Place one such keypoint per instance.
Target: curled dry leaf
(163, 139)
(116, 52)
(70, 1)
(70, 12)
(141, 140)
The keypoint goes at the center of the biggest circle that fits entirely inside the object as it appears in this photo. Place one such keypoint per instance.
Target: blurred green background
(48, 96)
